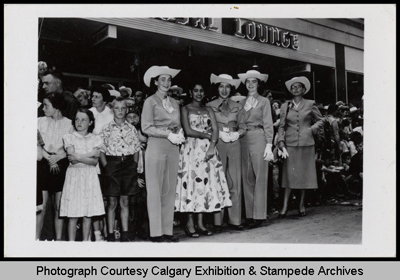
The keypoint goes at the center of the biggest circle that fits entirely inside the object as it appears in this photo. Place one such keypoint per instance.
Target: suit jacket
(302, 123)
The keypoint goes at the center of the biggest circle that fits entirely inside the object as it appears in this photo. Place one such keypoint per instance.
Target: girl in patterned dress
(202, 186)
(81, 196)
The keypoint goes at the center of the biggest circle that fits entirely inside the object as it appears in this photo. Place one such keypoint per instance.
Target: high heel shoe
(217, 229)
(191, 234)
(281, 216)
(204, 232)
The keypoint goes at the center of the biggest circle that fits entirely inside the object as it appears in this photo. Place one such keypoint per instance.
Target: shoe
(255, 224)
(302, 214)
(236, 227)
(217, 229)
(99, 238)
(281, 216)
(204, 232)
(142, 236)
(170, 238)
(157, 239)
(117, 234)
(191, 234)
(126, 237)
(110, 237)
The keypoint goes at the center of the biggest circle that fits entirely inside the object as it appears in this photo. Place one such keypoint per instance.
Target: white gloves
(268, 155)
(234, 136)
(224, 136)
(282, 152)
(180, 133)
(228, 137)
(176, 138)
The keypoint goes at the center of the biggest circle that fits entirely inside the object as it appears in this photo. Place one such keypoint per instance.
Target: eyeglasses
(296, 87)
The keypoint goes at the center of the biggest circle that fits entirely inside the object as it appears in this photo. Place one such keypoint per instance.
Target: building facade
(330, 52)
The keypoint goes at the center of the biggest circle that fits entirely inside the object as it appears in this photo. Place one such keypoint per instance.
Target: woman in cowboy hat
(256, 146)
(226, 113)
(296, 142)
(161, 122)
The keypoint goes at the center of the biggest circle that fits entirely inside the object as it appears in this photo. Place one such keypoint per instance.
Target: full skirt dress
(202, 185)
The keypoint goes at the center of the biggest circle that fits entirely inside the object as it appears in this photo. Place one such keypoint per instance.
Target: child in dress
(81, 196)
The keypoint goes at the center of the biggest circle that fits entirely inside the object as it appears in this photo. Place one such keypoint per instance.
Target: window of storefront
(355, 88)
(324, 85)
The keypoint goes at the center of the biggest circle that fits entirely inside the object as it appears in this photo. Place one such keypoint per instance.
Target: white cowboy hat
(353, 109)
(237, 98)
(302, 80)
(252, 74)
(129, 90)
(114, 92)
(224, 78)
(175, 87)
(155, 71)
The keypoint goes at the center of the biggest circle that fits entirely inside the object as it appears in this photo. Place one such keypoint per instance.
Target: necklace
(197, 108)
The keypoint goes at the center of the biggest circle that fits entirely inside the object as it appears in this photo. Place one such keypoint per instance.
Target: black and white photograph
(200, 131)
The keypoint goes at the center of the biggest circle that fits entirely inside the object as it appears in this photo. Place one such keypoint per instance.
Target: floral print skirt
(202, 185)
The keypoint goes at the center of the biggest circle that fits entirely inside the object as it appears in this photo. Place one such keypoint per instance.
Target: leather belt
(228, 129)
(119, 158)
(167, 128)
(254, 127)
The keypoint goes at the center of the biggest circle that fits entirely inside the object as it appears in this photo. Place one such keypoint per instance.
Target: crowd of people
(114, 164)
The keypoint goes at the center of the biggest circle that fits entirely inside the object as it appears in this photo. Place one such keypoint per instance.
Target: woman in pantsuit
(226, 113)
(161, 123)
(256, 146)
(296, 142)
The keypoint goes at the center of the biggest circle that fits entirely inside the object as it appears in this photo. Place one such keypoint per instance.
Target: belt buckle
(123, 158)
(225, 129)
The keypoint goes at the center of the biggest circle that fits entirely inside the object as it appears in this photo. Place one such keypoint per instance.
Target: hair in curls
(57, 100)
(214, 89)
(89, 114)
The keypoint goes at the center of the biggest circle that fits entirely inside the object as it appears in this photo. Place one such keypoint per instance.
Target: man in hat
(125, 92)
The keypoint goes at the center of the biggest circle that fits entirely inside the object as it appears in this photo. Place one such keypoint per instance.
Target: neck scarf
(224, 108)
(167, 104)
(251, 102)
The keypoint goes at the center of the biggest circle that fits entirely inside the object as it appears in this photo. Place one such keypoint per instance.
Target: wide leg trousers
(255, 174)
(161, 169)
(230, 154)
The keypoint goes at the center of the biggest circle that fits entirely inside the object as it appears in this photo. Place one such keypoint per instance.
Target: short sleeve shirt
(120, 140)
(101, 119)
(52, 132)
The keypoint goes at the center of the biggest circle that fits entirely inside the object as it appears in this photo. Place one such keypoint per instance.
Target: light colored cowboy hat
(175, 87)
(237, 98)
(114, 92)
(155, 71)
(128, 90)
(252, 74)
(224, 78)
(302, 80)
(353, 109)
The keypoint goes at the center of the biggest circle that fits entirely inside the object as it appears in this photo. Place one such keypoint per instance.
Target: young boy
(120, 167)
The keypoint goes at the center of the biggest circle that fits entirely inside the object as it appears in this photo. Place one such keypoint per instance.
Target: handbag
(275, 150)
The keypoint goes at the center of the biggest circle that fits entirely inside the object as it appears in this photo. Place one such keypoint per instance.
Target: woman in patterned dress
(202, 186)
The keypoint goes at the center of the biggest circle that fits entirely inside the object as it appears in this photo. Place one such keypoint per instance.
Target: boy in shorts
(120, 167)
